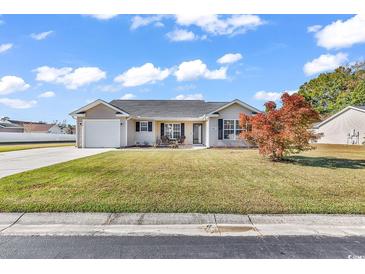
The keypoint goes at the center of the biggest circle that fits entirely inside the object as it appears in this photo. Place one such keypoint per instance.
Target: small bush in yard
(279, 132)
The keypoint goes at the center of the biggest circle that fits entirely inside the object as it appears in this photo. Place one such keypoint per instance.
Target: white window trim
(234, 129)
(172, 126)
(140, 126)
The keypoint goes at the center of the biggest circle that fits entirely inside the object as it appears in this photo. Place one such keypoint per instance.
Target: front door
(197, 133)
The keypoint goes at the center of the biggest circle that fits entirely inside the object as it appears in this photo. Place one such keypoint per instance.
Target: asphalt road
(181, 247)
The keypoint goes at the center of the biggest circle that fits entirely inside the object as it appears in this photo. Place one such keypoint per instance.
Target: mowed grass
(7, 148)
(330, 179)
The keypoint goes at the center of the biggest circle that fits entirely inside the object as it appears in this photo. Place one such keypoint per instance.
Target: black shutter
(162, 125)
(220, 129)
(149, 126)
(137, 126)
(182, 130)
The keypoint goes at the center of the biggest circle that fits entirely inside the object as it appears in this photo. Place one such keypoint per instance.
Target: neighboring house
(123, 123)
(344, 127)
(7, 126)
(38, 127)
(42, 128)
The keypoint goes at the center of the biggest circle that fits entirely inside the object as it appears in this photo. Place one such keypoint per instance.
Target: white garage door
(102, 133)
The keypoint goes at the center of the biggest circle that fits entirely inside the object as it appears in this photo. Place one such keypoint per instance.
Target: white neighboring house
(123, 123)
(344, 127)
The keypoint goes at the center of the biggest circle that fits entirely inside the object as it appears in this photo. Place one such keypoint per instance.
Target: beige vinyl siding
(188, 130)
(144, 137)
(152, 137)
(141, 137)
(131, 132)
(231, 112)
(336, 130)
(100, 112)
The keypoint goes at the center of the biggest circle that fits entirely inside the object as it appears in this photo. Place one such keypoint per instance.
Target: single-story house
(38, 127)
(344, 127)
(124, 123)
(8, 126)
(42, 128)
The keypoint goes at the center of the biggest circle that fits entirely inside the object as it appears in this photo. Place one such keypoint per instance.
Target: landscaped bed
(330, 179)
(15, 147)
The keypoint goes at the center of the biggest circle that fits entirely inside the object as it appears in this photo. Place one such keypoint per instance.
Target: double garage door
(101, 133)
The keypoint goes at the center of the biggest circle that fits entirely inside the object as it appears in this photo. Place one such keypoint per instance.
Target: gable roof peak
(359, 108)
(95, 103)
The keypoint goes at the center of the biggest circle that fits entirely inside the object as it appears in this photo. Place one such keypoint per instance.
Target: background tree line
(331, 92)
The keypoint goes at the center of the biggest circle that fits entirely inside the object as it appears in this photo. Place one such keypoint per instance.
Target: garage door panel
(102, 133)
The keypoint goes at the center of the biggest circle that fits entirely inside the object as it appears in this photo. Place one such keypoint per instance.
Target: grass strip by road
(329, 179)
(15, 147)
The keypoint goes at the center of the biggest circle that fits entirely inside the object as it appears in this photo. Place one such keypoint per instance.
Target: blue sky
(53, 64)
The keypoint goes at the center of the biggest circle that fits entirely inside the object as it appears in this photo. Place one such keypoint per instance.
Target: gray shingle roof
(167, 108)
(362, 107)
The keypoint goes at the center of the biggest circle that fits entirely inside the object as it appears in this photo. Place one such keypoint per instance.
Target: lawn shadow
(327, 162)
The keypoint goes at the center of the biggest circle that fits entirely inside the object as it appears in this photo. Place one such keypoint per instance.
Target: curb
(191, 224)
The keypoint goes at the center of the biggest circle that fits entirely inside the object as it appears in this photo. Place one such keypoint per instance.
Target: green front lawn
(330, 179)
(6, 148)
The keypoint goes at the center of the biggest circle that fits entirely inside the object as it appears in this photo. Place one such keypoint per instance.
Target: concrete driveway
(18, 161)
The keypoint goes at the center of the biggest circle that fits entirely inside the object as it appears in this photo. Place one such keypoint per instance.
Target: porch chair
(165, 140)
(181, 140)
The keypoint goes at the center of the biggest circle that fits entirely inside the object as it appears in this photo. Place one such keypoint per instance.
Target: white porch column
(207, 133)
(126, 132)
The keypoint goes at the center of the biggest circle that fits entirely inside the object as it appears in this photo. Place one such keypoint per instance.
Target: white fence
(12, 137)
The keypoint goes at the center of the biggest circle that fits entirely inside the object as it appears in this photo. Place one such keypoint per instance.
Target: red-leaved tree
(279, 132)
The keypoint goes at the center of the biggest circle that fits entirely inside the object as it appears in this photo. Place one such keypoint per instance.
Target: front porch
(168, 133)
(180, 132)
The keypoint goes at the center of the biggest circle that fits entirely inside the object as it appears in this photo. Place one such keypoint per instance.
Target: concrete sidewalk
(191, 224)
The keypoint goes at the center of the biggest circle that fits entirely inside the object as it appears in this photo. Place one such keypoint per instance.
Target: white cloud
(325, 62)
(342, 34)
(218, 74)
(159, 24)
(181, 35)
(290, 92)
(142, 21)
(229, 58)
(146, 74)
(219, 25)
(10, 84)
(186, 87)
(314, 28)
(5, 47)
(71, 78)
(192, 70)
(196, 96)
(128, 96)
(83, 76)
(210, 24)
(271, 96)
(109, 88)
(47, 94)
(268, 96)
(103, 17)
(17, 103)
(49, 74)
(42, 35)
